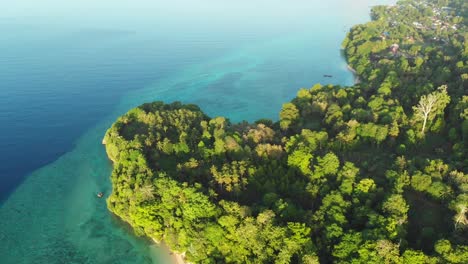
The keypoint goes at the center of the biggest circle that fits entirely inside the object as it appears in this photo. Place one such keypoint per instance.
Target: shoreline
(356, 76)
(174, 257)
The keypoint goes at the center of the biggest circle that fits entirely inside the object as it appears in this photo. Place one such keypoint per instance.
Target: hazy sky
(212, 7)
(178, 8)
(186, 15)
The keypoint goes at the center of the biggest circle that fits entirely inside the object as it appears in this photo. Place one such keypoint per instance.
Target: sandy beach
(356, 77)
(175, 258)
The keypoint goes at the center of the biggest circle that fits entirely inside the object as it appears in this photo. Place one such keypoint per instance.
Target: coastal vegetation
(376, 172)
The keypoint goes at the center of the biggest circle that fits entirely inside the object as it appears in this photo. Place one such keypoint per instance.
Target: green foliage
(421, 182)
(431, 106)
(288, 115)
(373, 173)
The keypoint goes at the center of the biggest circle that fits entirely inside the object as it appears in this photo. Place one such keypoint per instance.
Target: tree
(460, 217)
(415, 257)
(327, 165)
(288, 115)
(365, 186)
(147, 191)
(348, 247)
(421, 182)
(301, 160)
(431, 105)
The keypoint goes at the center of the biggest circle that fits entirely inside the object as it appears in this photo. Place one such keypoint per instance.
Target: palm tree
(460, 217)
(147, 191)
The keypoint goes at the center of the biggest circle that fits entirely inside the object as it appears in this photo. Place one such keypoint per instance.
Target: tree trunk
(424, 124)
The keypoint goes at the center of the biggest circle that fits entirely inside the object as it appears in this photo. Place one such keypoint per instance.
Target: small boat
(327, 75)
(100, 195)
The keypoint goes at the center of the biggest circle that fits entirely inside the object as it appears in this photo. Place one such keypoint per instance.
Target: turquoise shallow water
(242, 67)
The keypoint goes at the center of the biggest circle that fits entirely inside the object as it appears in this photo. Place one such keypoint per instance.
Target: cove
(243, 67)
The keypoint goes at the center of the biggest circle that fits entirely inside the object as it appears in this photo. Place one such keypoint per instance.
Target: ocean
(68, 70)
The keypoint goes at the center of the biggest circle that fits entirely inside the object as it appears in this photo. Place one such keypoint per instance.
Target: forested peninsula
(372, 173)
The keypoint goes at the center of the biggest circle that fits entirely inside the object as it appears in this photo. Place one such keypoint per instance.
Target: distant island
(372, 173)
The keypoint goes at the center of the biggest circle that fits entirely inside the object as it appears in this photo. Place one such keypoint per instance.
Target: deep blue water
(56, 82)
(67, 70)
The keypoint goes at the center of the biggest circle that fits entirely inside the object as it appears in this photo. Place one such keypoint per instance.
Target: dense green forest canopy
(376, 172)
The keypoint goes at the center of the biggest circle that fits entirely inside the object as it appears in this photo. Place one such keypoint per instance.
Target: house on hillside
(418, 25)
(384, 35)
(394, 48)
